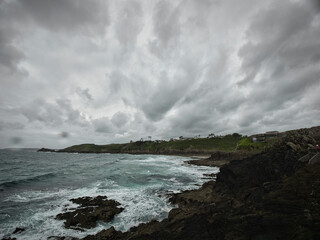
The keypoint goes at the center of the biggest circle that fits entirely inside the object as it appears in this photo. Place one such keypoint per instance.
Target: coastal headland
(186, 147)
(272, 194)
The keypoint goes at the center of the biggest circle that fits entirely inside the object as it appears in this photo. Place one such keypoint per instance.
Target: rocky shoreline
(219, 159)
(271, 195)
(138, 152)
(89, 212)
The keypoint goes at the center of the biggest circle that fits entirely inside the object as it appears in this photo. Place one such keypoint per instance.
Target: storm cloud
(115, 71)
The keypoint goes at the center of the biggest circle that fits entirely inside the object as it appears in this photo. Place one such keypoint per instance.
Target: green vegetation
(247, 145)
(225, 143)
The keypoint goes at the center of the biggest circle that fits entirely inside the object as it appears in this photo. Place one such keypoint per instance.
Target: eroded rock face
(90, 211)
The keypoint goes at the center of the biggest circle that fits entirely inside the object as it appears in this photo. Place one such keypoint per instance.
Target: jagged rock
(265, 196)
(219, 158)
(90, 211)
(110, 234)
(270, 195)
(18, 230)
(306, 157)
(294, 147)
(310, 146)
(315, 159)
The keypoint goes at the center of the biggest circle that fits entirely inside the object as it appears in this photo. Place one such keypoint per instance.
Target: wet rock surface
(18, 230)
(90, 211)
(218, 158)
(271, 195)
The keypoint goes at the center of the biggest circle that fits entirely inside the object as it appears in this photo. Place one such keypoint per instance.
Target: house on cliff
(185, 138)
(262, 137)
(211, 135)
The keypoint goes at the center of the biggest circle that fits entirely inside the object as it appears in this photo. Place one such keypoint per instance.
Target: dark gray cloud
(10, 56)
(55, 113)
(112, 71)
(85, 93)
(166, 23)
(22, 17)
(103, 125)
(65, 15)
(281, 37)
(167, 93)
(129, 23)
(120, 119)
(280, 61)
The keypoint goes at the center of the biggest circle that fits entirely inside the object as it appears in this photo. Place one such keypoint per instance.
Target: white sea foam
(37, 195)
(143, 199)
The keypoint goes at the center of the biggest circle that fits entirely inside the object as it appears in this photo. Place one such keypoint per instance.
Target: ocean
(36, 186)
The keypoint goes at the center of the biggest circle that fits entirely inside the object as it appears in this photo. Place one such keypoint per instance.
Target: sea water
(36, 186)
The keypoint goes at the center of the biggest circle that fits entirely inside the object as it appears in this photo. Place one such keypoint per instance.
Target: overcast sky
(78, 71)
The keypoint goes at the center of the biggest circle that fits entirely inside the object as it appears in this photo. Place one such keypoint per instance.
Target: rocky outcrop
(307, 157)
(315, 159)
(218, 158)
(46, 150)
(271, 195)
(18, 230)
(89, 212)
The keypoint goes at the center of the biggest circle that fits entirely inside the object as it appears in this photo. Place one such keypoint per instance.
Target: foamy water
(35, 187)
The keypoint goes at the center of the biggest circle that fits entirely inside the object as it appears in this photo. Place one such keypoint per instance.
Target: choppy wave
(139, 183)
(37, 178)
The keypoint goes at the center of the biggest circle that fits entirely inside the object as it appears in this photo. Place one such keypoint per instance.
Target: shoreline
(196, 154)
(167, 175)
(263, 196)
(269, 195)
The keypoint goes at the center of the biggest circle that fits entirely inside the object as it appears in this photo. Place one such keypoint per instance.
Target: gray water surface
(36, 186)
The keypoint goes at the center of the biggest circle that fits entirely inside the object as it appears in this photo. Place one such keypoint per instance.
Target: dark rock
(109, 234)
(18, 230)
(46, 150)
(315, 159)
(270, 195)
(293, 146)
(310, 146)
(211, 175)
(219, 159)
(89, 212)
(306, 157)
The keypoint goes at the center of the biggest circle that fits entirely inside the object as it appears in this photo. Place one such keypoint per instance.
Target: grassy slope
(245, 144)
(226, 143)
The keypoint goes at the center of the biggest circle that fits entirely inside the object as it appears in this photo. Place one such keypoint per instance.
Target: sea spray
(45, 182)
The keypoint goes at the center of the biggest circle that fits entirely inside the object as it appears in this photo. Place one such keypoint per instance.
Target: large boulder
(89, 212)
(294, 147)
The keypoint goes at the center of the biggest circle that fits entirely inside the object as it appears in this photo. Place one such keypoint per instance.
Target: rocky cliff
(271, 195)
